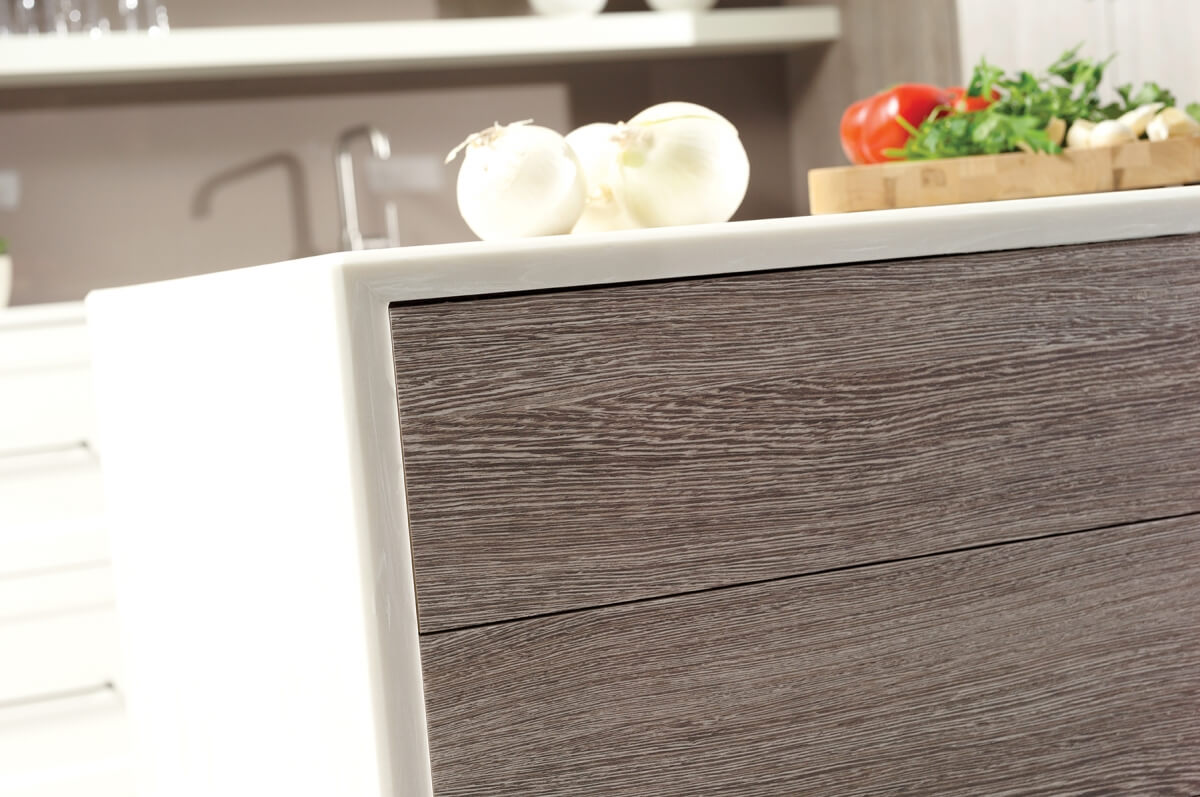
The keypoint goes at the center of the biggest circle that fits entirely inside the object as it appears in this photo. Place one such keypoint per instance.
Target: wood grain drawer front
(1057, 666)
(578, 448)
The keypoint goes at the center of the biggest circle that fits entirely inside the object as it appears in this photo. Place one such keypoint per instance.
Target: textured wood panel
(1068, 665)
(579, 448)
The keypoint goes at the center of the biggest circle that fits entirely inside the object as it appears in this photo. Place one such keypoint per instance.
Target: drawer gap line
(824, 571)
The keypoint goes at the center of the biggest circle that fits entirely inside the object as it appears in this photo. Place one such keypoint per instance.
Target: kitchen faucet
(381, 149)
(297, 192)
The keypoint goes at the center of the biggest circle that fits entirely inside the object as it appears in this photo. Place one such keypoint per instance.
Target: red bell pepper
(961, 103)
(869, 127)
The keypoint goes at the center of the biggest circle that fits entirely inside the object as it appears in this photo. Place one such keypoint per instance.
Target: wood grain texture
(1068, 665)
(1013, 175)
(579, 448)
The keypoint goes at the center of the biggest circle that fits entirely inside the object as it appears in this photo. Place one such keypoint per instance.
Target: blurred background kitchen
(147, 141)
(109, 179)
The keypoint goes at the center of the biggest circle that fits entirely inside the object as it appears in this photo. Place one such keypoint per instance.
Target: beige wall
(883, 42)
(116, 195)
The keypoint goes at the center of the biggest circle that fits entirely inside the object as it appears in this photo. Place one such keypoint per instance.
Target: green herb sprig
(982, 132)
(1025, 104)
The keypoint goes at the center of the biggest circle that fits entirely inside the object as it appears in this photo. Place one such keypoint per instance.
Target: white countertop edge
(242, 459)
(475, 268)
(446, 270)
(375, 279)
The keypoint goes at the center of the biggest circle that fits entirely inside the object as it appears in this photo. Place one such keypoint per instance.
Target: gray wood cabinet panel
(1064, 665)
(577, 448)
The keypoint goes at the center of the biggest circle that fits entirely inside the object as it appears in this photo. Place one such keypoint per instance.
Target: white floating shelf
(243, 52)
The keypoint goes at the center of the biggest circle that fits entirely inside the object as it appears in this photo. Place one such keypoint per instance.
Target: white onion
(519, 181)
(596, 145)
(682, 163)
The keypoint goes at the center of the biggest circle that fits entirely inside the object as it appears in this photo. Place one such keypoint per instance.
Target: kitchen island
(893, 501)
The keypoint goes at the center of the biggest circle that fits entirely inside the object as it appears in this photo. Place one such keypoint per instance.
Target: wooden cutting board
(1013, 175)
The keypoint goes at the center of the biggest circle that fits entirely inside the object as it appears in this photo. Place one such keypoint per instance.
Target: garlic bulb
(596, 145)
(1172, 123)
(1078, 137)
(1110, 133)
(518, 181)
(681, 163)
(1137, 119)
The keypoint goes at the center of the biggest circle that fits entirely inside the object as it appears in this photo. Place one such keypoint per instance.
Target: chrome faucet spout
(381, 149)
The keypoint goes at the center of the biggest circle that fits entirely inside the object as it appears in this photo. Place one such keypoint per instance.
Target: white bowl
(681, 5)
(567, 8)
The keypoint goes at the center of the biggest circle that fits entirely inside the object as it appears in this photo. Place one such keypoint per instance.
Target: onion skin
(520, 181)
(598, 148)
(682, 163)
(604, 212)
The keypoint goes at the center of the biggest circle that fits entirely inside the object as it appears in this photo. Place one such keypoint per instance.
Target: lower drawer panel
(1052, 666)
(57, 652)
(76, 746)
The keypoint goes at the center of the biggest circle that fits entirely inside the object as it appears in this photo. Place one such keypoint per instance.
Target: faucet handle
(343, 159)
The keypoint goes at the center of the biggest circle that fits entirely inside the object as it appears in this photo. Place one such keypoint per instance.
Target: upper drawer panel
(576, 448)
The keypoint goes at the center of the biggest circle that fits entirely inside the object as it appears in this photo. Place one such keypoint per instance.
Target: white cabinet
(45, 384)
(74, 746)
(62, 719)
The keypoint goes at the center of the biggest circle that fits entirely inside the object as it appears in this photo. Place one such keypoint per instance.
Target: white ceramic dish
(567, 8)
(681, 5)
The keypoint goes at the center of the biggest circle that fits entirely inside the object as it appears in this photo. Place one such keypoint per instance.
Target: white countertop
(479, 267)
(270, 392)
(672, 252)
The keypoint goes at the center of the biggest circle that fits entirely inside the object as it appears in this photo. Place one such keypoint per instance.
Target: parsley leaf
(1017, 120)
